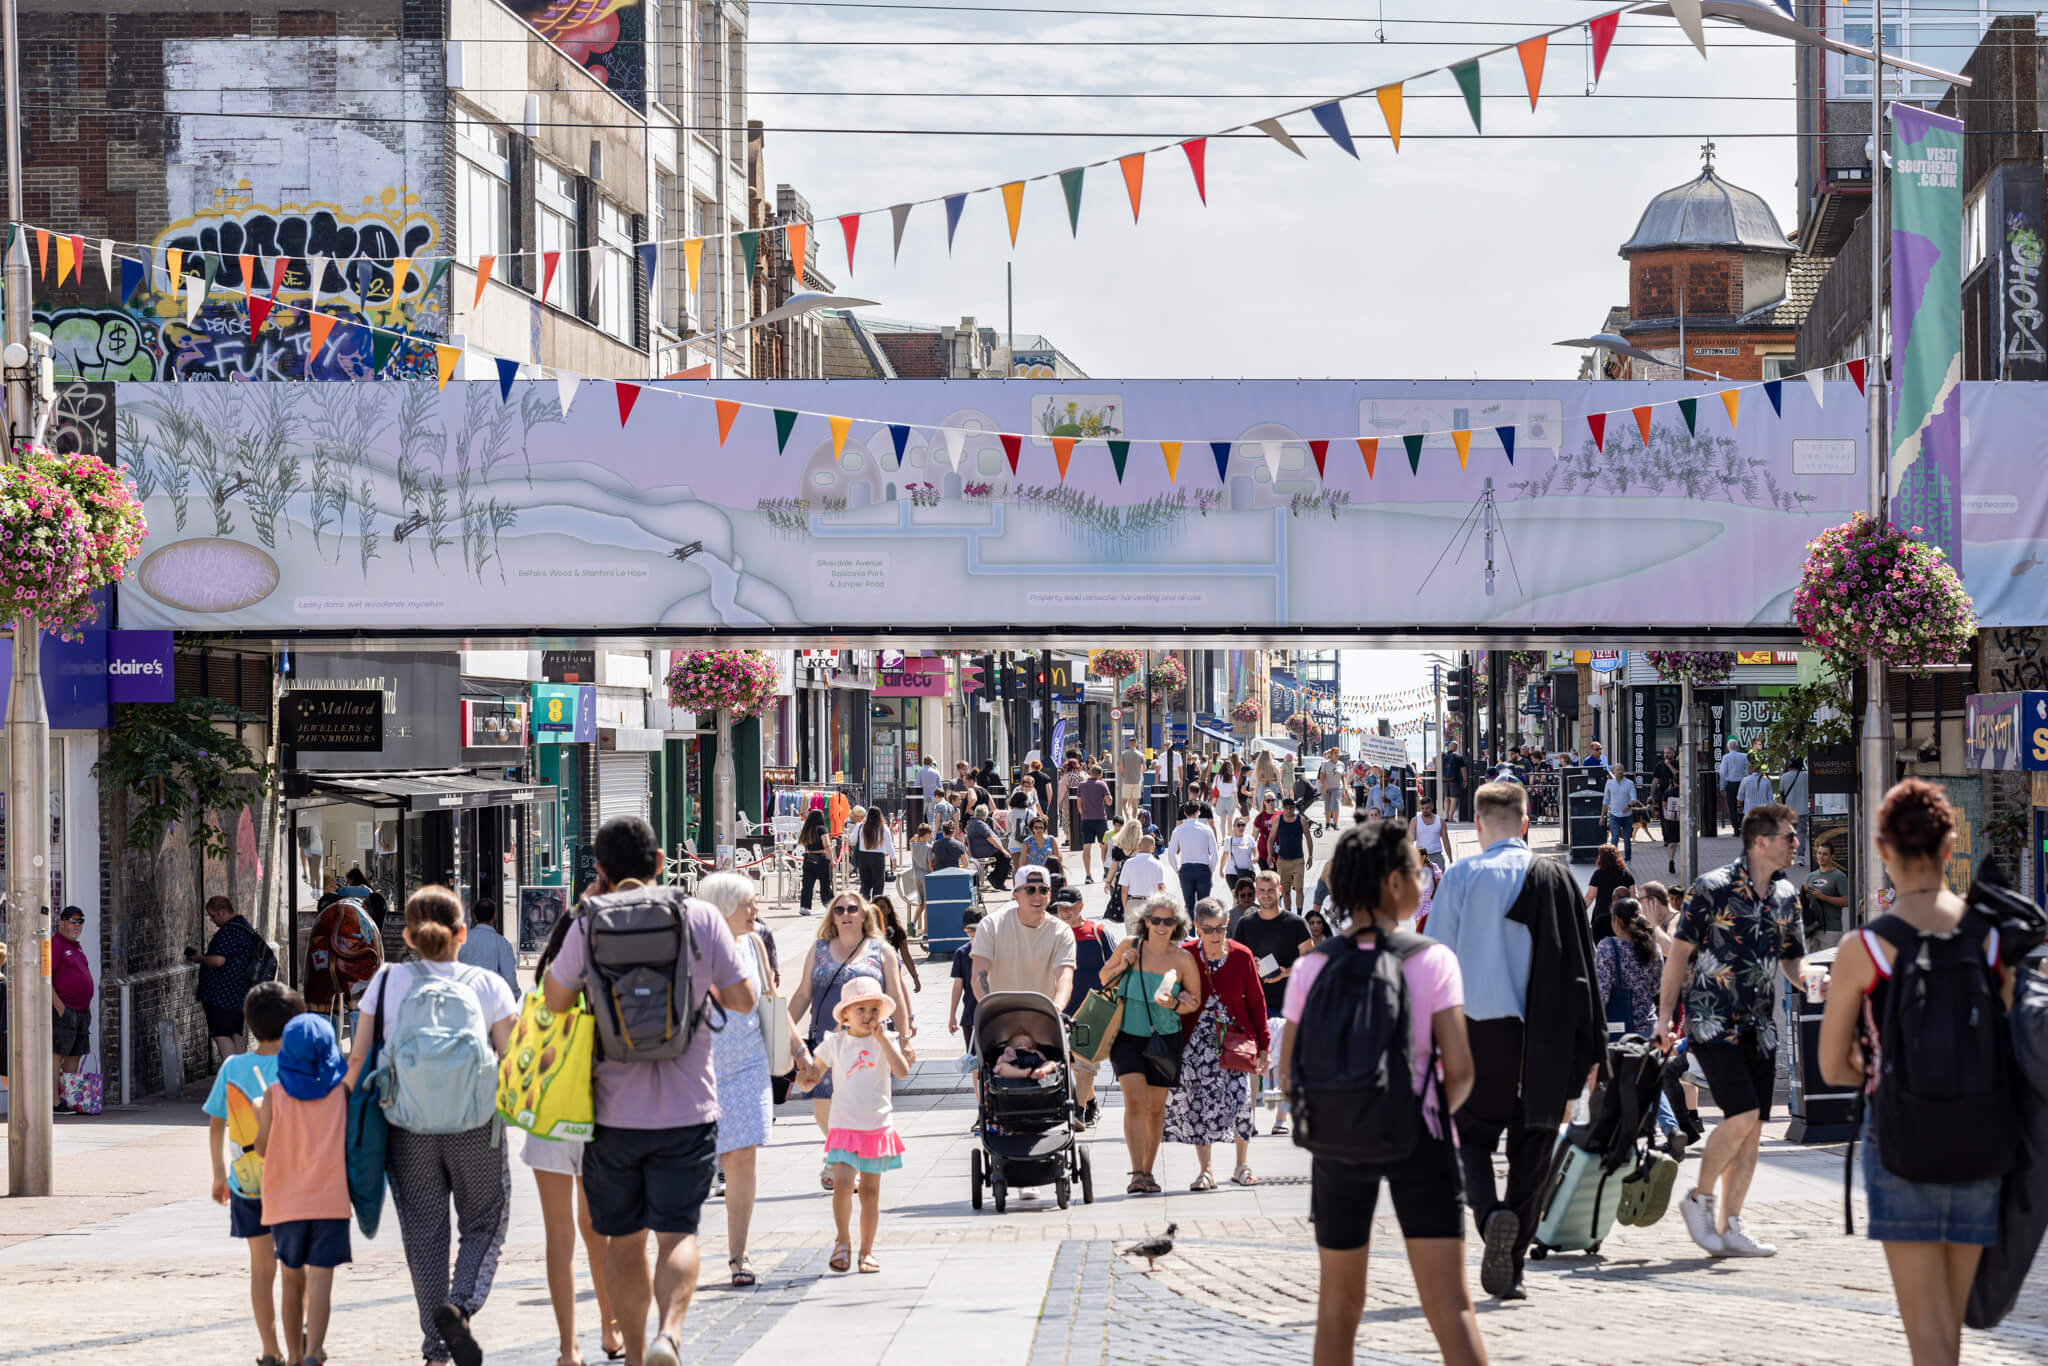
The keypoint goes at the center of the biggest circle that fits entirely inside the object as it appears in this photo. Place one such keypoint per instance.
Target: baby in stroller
(1019, 1072)
(1021, 1060)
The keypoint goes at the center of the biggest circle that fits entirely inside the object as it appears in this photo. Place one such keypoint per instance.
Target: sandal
(742, 1271)
(664, 1351)
(1243, 1177)
(1137, 1186)
(1205, 1182)
(825, 1176)
(868, 1265)
(842, 1256)
(1151, 1186)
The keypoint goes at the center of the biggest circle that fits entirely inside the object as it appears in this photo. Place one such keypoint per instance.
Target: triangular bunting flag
(1119, 455)
(1507, 440)
(508, 370)
(954, 204)
(840, 426)
(1270, 452)
(650, 261)
(1221, 450)
(1643, 423)
(316, 279)
(1598, 423)
(43, 253)
(1689, 409)
(1197, 150)
(956, 444)
(483, 277)
(382, 343)
(797, 237)
(445, 358)
(1389, 97)
(1731, 399)
(550, 261)
(566, 383)
(849, 228)
(174, 269)
(1467, 74)
(195, 295)
(1170, 450)
(1602, 30)
(440, 269)
(1369, 447)
(1070, 185)
(1013, 206)
(1134, 179)
(1532, 52)
(628, 395)
(750, 247)
(259, 306)
(727, 411)
(1062, 452)
(1819, 387)
(1413, 442)
(107, 261)
(899, 435)
(132, 273)
(318, 325)
(1273, 129)
(899, 214)
(1463, 441)
(1330, 115)
(1321, 451)
(246, 264)
(1856, 372)
(785, 423)
(1687, 13)
(13, 231)
(1013, 446)
(209, 272)
(401, 275)
(64, 259)
(77, 241)
(1774, 390)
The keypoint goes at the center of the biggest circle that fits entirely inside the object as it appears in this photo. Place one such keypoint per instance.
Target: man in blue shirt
(1734, 767)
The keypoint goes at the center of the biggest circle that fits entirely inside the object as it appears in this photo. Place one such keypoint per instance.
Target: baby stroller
(1027, 1126)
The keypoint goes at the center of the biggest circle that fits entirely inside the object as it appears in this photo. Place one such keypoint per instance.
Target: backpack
(1353, 1075)
(262, 962)
(1944, 1096)
(442, 1073)
(640, 976)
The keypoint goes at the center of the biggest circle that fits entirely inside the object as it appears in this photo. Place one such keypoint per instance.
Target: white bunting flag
(1819, 387)
(1687, 13)
(1271, 450)
(956, 442)
(316, 273)
(107, 261)
(195, 294)
(565, 389)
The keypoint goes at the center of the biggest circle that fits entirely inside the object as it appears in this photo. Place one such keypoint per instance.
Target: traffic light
(983, 670)
(973, 676)
(1458, 688)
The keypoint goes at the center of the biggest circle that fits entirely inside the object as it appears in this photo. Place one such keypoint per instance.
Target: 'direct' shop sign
(332, 719)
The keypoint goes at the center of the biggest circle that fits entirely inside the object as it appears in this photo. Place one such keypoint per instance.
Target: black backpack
(262, 963)
(1353, 1075)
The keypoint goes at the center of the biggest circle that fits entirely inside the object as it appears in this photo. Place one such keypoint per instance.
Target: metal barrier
(127, 986)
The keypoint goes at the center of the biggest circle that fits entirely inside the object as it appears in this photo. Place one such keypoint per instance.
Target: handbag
(544, 1080)
(1161, 1055)
(369, 1133)
(1238, 1051)
(1095, 1025)
(84, 1092)
(775, 1031)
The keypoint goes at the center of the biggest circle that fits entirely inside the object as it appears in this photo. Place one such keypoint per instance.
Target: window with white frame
(1974, 244)
(554, 193)
(708, 268)
(1937, 33)
(483, 190)
(614, 271)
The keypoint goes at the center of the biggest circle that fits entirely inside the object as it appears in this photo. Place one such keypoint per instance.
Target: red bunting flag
(1062, 451)
(259, 307)
(1643, 423)
(1013, 446)
(78, 256)
(1134, 179)
(1602, 30)
(849, 227)
(1598, 422)
(1369, 447)
(1197, 150)
(549, 260)
(1321, 451)
(628, 395)
(1856, 372)
(727, 411)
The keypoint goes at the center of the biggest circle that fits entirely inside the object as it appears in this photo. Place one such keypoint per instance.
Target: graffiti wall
(609, 38)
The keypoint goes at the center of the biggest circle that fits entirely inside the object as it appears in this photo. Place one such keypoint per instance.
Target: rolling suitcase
(1598, 1161)
(1580, 1201)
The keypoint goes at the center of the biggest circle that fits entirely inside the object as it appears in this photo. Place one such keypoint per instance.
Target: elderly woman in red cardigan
(1226, 1045)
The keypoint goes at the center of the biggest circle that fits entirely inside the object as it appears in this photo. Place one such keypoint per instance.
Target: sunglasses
(1207, 930)
(1035, 890)
(1155, 920)
(847, 910)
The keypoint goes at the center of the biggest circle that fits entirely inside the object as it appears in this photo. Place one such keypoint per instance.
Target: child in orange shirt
(301, 1134)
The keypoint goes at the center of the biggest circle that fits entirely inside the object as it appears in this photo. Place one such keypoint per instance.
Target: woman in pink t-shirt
(1373, 877)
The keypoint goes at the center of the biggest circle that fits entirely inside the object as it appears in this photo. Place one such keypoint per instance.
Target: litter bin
(947, 895)
(1585, 828)
(1820, 1113)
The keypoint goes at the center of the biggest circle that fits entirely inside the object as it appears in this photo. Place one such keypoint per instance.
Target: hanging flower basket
(738, 681)
(1135, 696)
(1702, 666)
(1246, 712)
(1169, 677)
(113, 514)
(1302, 726)
(1870, 588)
(47, 551)
(1116, 663)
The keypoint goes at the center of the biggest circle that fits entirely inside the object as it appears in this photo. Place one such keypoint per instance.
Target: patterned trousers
(426, 1170)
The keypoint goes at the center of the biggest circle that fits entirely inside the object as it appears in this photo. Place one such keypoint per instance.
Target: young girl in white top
(861, 1136)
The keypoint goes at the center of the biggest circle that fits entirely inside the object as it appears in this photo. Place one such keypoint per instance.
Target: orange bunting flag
(1731, 399)
(628, 395)
(319, 325)
(246, 263)
(1369, 447)
(42, 253)
(798, 235)
(1463, 441)
(483, 277)
(840, 426)
(727, 411)
(1063, 451)
(1643, 423)
(693, 261)
(1134, 179)
(1171, 450)
(1532, 53)
(400, 269)
(1389, 97)
(1013, 205)
(63, 259)
(444, 356)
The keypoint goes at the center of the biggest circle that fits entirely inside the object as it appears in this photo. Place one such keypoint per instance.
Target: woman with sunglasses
(849, 945)
(1213, 1102)
(1146, 1056)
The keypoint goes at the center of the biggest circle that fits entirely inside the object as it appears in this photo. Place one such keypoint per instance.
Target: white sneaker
(1700, 1220)
(1736, 1243)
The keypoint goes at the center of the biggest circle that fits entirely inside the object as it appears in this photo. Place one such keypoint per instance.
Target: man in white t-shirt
(1024, 947)
(1429, 833)
(1141, 875)
(1616, 800)
(1130, 780)
(1192, 851)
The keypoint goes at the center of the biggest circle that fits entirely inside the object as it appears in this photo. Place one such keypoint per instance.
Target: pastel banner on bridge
(399, 506)
(1927, 325)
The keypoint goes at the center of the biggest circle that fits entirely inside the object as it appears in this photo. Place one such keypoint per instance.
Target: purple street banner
(1927, 326)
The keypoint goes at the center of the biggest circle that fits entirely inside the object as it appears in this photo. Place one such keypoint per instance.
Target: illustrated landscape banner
(280, 507)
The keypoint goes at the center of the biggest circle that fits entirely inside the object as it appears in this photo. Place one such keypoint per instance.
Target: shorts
(1903, 1211)
(1741, 1077)
(1330, 806)
(1127, 1054)
(649, 1179)
(1290, 870)
(1093, 830)
(562, 1156)
(311, 1242)
(71, 1034)
(223, 1023)
(245, 1217)
(1429, 1196)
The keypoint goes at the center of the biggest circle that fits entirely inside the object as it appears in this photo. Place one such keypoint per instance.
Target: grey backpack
(641, 974)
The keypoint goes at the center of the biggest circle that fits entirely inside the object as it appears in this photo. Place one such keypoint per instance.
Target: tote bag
(544, 1083)
(1095, 1025)
(368, 1135)
(774, 1012)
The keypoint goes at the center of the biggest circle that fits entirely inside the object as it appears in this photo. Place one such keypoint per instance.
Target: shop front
(909, 695)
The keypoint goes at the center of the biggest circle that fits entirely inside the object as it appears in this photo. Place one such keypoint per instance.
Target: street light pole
(1877, 716)
(28, 737)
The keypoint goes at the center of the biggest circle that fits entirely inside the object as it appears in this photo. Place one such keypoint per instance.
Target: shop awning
(426, 791)
(1214, 730)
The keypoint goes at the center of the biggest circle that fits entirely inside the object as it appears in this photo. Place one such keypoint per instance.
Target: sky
(1459, 256)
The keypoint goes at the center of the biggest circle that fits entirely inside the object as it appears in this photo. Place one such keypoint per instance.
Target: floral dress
(1211, 1104)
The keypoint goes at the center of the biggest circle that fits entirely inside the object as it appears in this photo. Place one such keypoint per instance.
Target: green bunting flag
(1070, 181)
(440, 269)
(785, 422)
(1689, 409)
(1414, 443)
(1468, 81)
(1119, 452)
(381, 341)
(750, 243)
(212, 269)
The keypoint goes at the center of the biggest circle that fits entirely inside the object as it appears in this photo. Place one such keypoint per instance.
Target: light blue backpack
(441, 1073)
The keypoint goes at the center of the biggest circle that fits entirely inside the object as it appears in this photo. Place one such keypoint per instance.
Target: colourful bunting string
(401, 271)
(1687, 13)
(445, 359)
(1689, 409)
(899, 214)
(1467, 76)
(1331, 116)
(1507, 440)
(566, 384)
(650, 263)
(132, 275)
(1062, 453)
(1197, 150)
(1413, 441)
(1134, 179)
(899, 436)
(42, 253)
(549, 261)
(1815, 383)
(259, 306)
(1013, 206)
(1013, 446)
(628, 395)
(1070, 186)
(1463, 441)
(64, 259)
(727, 410)
(1602, 29)
(382, 343)
(508, 371)
(1277, 131)
(693, 261)
(442, 266)
(797, 237)
(750, 247)
(785, 422)
(1119, 455)
(77, 241)
(316, 278)
(107, 261)
(483, 278)
(1774, 390)
(1643, 423)
(1221, 450)
(1389, 97)
(1532, 53)
(954, 204)
(318, 325)
(1857, 372)
(1369, 447)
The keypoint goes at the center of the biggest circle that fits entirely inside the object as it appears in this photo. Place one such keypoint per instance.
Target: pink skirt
(865, 1150)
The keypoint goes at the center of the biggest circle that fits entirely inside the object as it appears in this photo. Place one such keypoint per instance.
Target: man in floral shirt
(1739, 928)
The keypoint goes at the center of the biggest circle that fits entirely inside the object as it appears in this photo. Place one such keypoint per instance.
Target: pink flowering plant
(1246, 712)
(1870, 588)
(69, 526)
(738, 681)
(1169, 676)
(113, 513)
(1701, 666)
(1302, 726)
(1115, 663)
